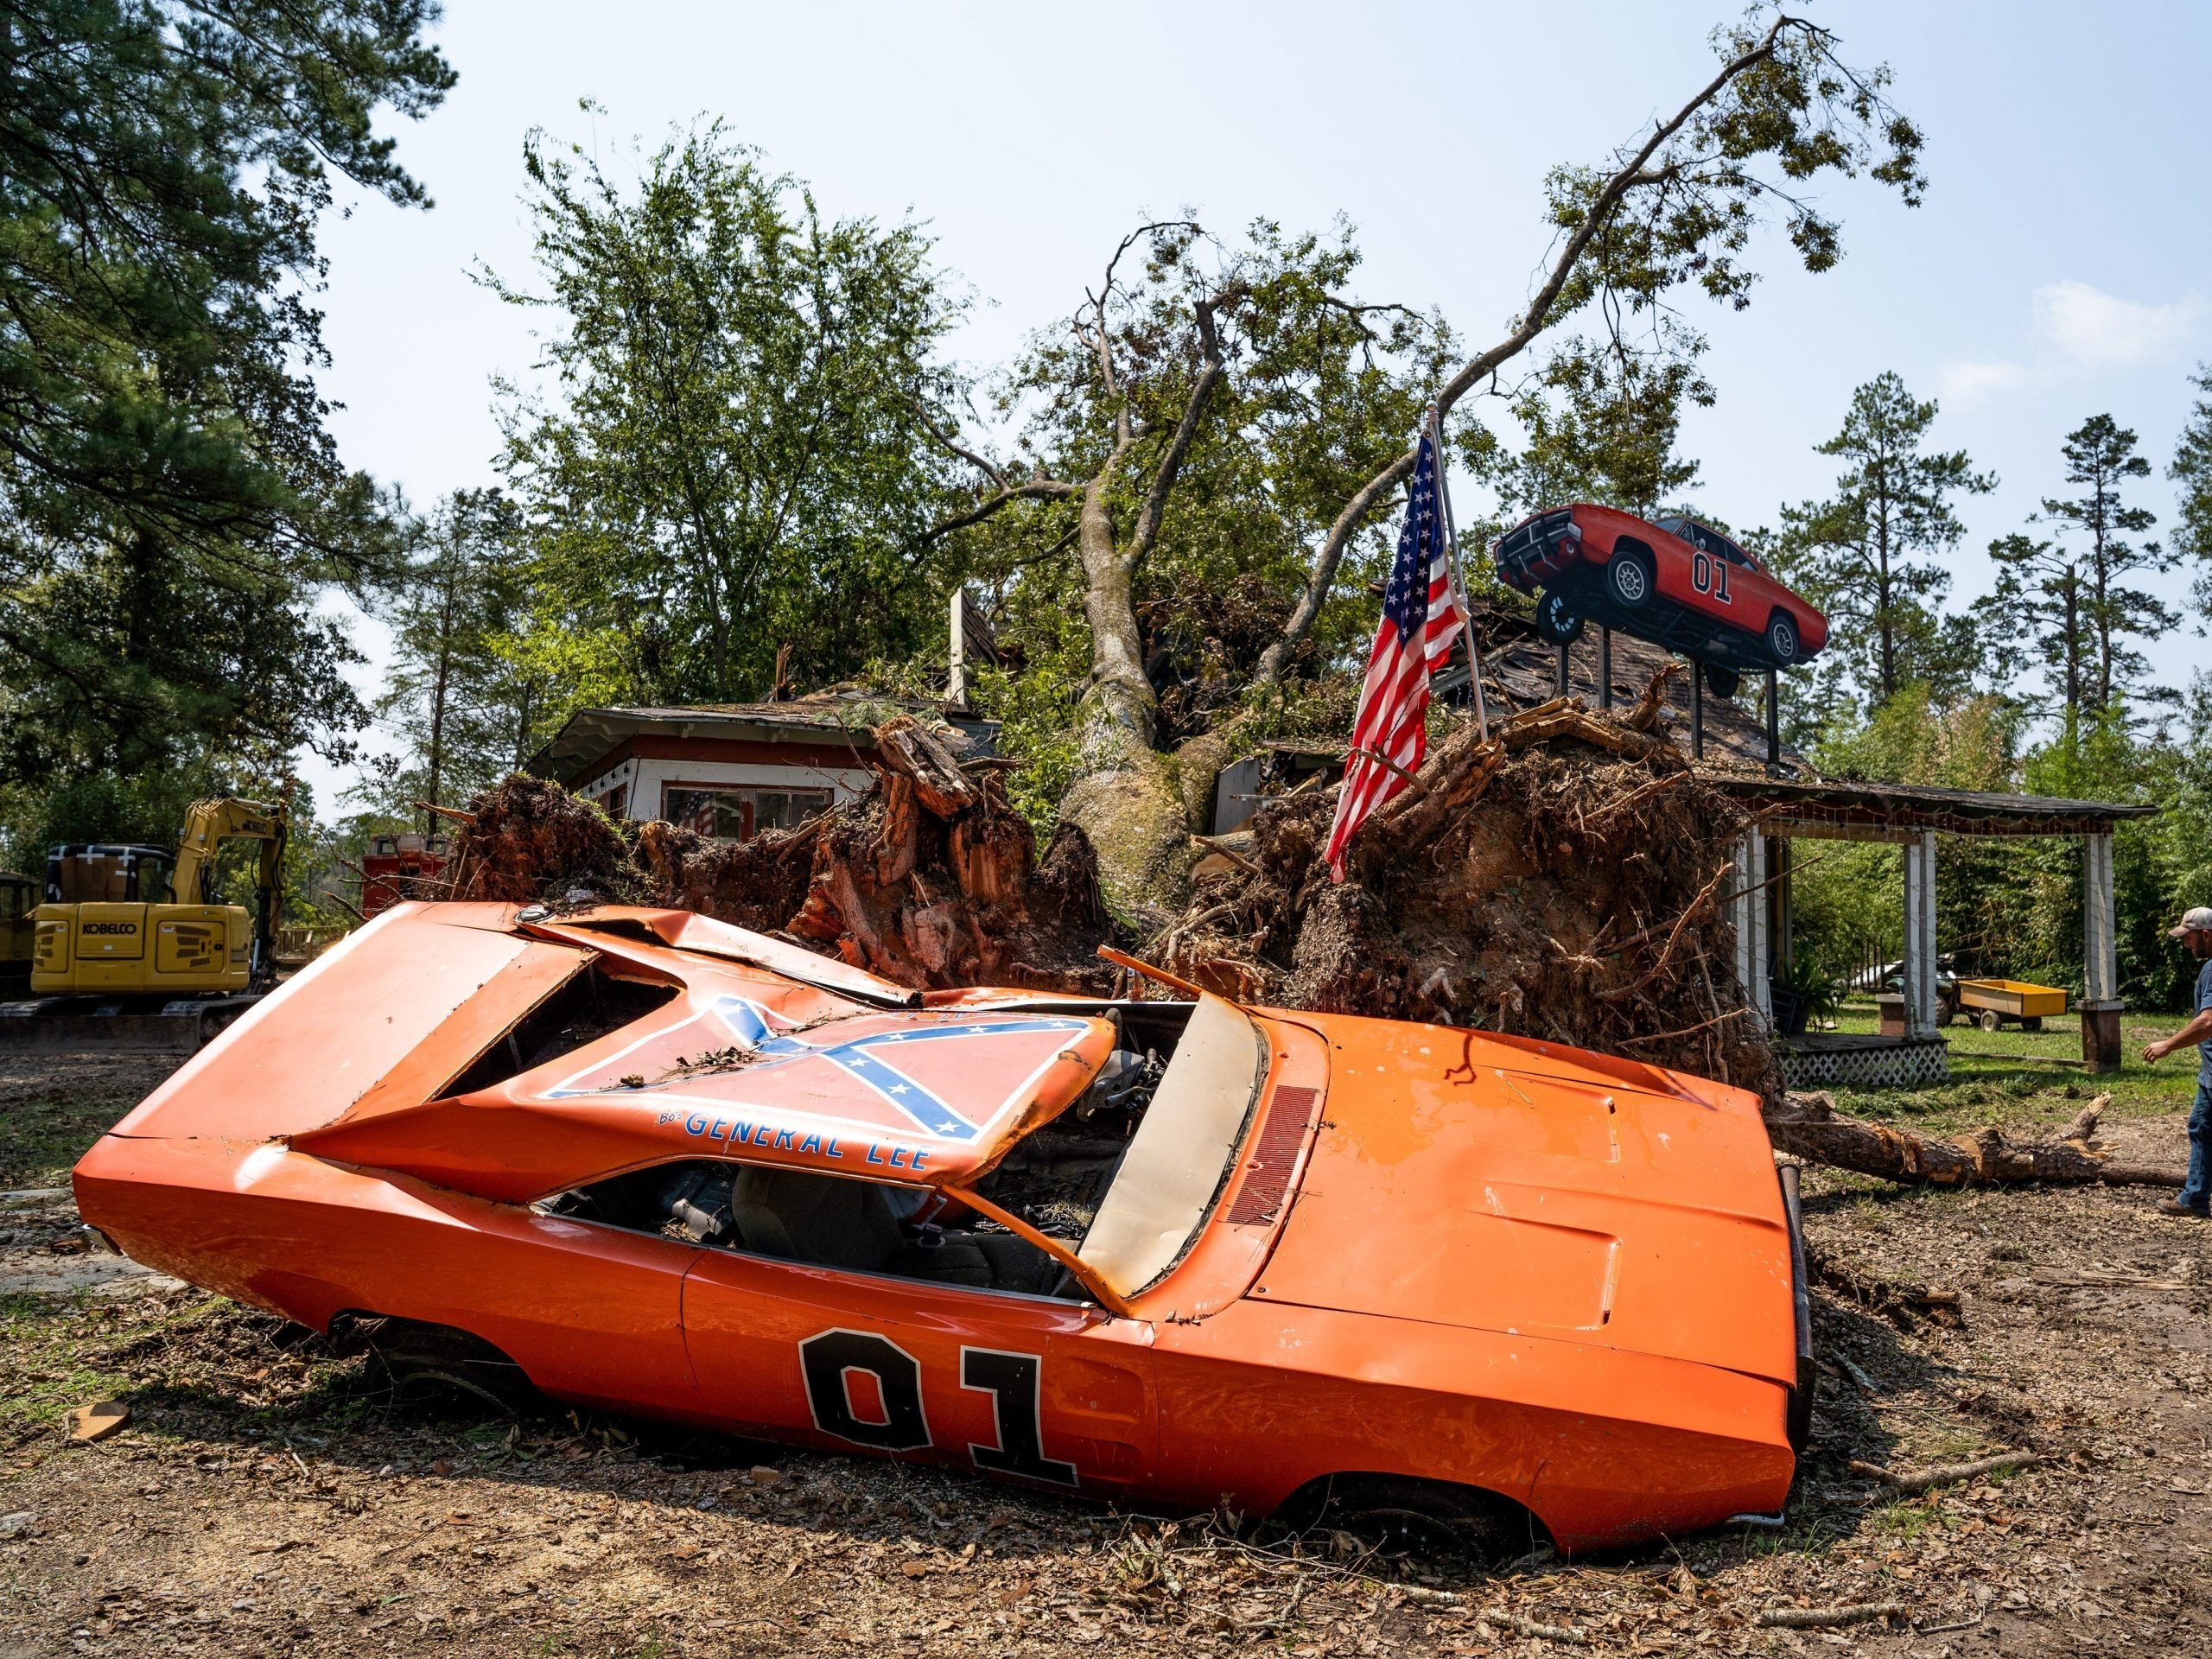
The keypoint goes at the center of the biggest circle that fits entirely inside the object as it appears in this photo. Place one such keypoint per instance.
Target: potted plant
(1801, 993)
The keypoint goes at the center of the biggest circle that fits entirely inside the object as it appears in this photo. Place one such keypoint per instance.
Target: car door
(1049, 1392)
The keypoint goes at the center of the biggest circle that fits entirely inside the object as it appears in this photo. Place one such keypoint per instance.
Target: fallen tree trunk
(1809, 1126)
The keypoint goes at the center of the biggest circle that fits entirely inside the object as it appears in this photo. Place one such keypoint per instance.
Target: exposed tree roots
(1565, 879)
(930, 878)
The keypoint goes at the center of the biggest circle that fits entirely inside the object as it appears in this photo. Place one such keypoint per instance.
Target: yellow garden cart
(1992, 1003)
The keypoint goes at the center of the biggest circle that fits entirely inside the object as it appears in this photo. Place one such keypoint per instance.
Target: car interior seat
(802, 1217)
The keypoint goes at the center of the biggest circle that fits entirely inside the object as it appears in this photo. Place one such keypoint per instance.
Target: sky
(2055, 270)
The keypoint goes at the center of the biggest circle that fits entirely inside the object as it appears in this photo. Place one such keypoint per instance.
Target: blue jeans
(2200, 1147)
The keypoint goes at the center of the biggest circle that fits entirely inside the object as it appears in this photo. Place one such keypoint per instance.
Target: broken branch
(1946, 1474)
(1822, 1618)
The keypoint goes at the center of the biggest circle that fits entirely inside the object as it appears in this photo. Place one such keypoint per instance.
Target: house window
(614, 800)
(740, 812)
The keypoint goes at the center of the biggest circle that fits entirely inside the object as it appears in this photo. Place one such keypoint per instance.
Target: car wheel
(1781, 639)
(1556, 622)
(1404, 1515)
(1991, 1019)
(427, 1364)
(1629, 581)
(1722, 681)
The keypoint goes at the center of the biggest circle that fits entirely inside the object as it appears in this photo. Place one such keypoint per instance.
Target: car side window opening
(1121, 1186)
(1707, 540)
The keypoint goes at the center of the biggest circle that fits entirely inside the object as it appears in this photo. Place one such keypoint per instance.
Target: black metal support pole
(1697, 709)
(1773, 720)
(1562, 670)
(1604, 668)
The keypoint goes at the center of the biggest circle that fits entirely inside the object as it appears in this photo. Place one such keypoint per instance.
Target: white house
(726, 770)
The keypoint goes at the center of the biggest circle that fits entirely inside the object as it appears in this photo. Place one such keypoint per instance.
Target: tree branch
(1179, 444)
(1627, 176)
(1037, 489)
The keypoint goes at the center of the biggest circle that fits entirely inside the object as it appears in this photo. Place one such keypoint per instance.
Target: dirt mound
(932, 878)
(1564, 880)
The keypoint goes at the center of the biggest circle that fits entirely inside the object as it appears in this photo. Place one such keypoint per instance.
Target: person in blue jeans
(2195, 1199)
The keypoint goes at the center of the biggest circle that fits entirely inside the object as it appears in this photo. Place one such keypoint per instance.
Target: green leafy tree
(1191, 432)
(465, 709)
(1602, 421)
(1674, 208)
(171, 502)
(2100, 458)
(739, 458)
(1872, 556)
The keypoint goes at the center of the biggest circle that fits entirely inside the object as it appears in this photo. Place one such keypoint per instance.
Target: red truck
(1672, 580)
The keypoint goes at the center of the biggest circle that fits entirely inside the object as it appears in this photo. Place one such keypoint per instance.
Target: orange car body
(1563, 1278)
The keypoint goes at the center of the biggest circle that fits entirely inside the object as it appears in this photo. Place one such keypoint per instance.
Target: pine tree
(2101, 457)
(1872, 556)
(2038, 583)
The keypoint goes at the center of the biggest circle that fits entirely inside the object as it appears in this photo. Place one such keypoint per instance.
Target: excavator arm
(207, 826)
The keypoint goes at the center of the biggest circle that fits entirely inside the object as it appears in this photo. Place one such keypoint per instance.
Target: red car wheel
(1629, 581)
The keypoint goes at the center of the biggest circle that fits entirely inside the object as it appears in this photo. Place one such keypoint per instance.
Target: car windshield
(1178, 1161)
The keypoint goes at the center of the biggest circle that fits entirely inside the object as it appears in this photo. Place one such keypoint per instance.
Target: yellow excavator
(127, 921)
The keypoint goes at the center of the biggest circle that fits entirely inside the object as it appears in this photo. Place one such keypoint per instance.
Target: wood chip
(97, 1421)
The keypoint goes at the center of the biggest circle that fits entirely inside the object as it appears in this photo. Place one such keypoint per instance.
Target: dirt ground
(265, 1499)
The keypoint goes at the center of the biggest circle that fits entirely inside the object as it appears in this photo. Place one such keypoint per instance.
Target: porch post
(1754, 948)
(1921, 1012)
(2100, 1004)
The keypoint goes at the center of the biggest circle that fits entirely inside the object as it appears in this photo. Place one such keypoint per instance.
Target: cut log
(1809, 1126)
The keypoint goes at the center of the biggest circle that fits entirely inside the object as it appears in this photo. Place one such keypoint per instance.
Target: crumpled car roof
(740, 1058)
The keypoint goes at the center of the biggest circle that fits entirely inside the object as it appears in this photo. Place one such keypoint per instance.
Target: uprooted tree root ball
(1565, 879)
(932, 878)
(525, 840)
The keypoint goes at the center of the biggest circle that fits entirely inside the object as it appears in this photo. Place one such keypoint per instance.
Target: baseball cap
(2198, 921)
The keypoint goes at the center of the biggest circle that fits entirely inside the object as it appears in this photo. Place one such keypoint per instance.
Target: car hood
(1525, 1188)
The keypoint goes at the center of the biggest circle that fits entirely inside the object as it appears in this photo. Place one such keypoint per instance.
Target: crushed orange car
(1164, 1253)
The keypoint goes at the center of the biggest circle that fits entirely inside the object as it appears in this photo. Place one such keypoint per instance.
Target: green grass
(1996, 1075)
(52, 1108)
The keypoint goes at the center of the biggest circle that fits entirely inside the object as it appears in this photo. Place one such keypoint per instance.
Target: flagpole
(1458, 580)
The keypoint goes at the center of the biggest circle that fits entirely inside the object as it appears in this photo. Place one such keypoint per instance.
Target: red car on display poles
(1672, 580)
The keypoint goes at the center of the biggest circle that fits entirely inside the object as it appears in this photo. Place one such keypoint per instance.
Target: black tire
(1781, 642)
(1721, 680)
(435, 1364)
(1403, 1515)
(1991, 1019)
(1556, 622)
(1630, 579)
(2033, 1022)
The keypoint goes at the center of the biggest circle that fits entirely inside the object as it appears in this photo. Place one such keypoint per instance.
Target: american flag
(1420, 619)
